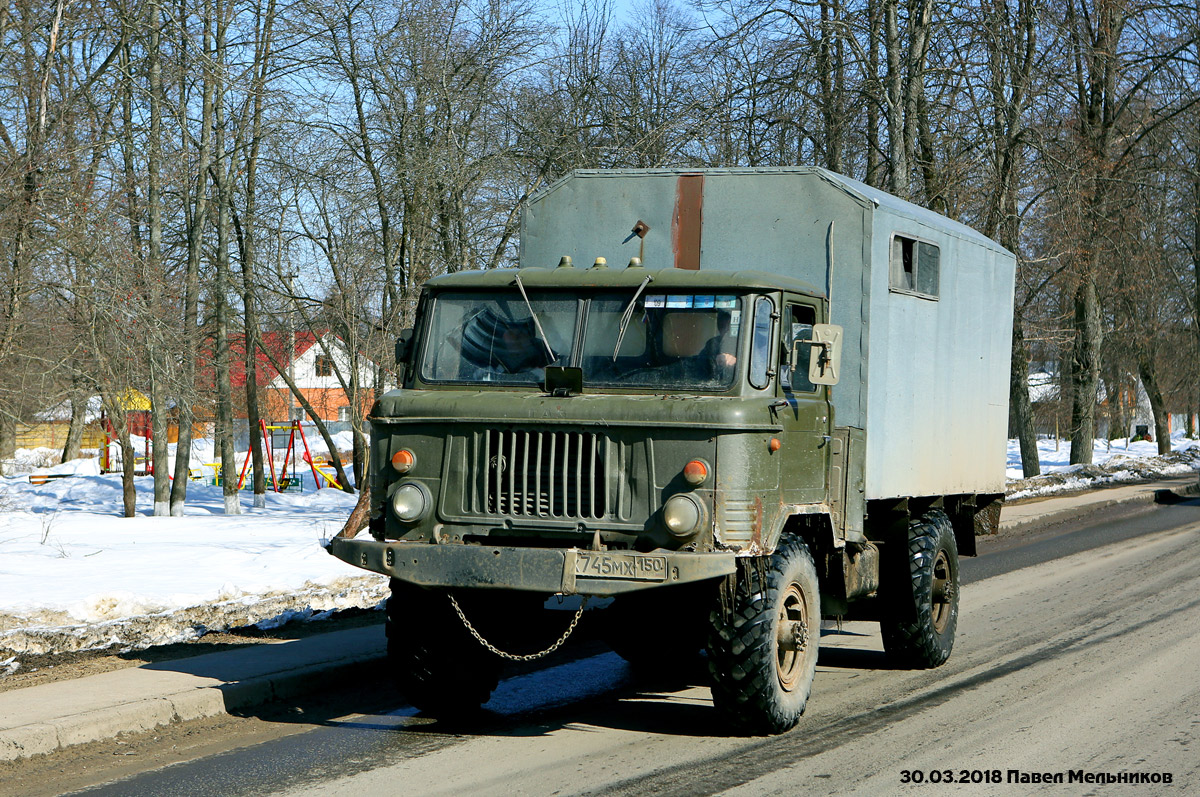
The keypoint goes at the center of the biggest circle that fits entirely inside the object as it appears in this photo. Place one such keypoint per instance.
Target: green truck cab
(667, 437)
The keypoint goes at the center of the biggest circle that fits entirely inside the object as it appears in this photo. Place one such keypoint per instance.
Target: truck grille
(519, 473)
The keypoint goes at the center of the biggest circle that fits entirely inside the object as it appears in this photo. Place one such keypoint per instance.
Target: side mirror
(404, 347)
(825, 364)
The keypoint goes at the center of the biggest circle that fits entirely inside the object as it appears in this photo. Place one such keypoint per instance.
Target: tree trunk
(128, 488)
(224, 431)
(360, 455)
(874, 175)
(931, 176)
(361, 514)
(830, 78)
(391, 255)
(155, 366)
(1020, 410)
(252, 415)
(1158, 407)
(249, 254)
(1122, 417)
(1085, 372)
(158, 441)
(8, 436)
(1196, 253)
(74, 442)
(118, 421)
(897, 160)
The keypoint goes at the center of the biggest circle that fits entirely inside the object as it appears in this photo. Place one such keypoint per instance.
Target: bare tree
(1011, 37)
(222, 171)
(1116, 53)
(195, 219)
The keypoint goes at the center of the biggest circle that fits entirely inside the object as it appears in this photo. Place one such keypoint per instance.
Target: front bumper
(571, 571)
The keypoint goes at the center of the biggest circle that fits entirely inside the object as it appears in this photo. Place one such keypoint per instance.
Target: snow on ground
(1113, 462)
(75, 575)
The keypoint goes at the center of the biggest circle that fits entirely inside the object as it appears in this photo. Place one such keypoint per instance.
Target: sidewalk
(1015, 518)
(48, 717)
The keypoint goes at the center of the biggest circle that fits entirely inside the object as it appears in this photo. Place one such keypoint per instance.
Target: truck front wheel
(762, 649)
(437, 665)
(921, 617)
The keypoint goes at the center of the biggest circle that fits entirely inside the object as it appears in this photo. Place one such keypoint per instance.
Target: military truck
(790, 405)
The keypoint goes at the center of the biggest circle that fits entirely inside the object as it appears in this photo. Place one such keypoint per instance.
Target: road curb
(43, 736)
(1150, 496)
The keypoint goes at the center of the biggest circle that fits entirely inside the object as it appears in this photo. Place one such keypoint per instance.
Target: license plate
(620, 565)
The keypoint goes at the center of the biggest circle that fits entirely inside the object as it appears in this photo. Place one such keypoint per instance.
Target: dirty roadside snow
(1113, 462)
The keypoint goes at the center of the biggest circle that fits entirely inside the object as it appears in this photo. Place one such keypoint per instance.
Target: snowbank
(1113, 461)
(76, 575)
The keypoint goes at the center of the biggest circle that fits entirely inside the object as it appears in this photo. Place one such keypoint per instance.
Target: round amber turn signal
(774, 444)
(403, 460)
(695, 472)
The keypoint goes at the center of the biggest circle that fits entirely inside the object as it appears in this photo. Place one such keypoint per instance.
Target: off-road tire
(759, 686)
(920, 612)
(437, 665)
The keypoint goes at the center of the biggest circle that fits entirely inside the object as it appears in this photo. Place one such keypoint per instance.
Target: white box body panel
(926, 378)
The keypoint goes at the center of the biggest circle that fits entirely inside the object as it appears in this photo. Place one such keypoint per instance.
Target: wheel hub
(791, 637)
(942, 592)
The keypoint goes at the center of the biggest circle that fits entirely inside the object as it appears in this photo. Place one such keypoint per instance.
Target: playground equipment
(142, 466)
(284, 480)
(135, 408)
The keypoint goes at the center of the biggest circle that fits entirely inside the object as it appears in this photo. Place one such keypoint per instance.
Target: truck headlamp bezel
(683, 515)
(410, 502)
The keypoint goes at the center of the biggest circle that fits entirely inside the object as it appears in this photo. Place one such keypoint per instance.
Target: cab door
(801, 407)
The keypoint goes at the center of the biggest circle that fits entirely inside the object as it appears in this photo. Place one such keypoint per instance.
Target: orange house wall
(276, 403)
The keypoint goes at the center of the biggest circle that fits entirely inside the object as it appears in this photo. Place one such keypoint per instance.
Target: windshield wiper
(551, 356)
(627, 316)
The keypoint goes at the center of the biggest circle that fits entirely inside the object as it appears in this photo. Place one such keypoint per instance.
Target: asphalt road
(1077, 654)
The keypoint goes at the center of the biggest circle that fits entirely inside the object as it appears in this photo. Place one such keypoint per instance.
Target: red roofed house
(310, 367)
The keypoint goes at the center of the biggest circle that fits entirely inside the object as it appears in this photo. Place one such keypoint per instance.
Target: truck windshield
(685, 341)
(490, 337)
(688, 341)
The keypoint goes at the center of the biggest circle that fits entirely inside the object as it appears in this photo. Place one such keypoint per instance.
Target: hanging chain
(513, 656)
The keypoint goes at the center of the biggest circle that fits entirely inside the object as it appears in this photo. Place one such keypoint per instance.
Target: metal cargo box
(925, 373)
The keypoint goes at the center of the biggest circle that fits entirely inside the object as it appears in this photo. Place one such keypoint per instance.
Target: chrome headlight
(411, 502)
(682, 514)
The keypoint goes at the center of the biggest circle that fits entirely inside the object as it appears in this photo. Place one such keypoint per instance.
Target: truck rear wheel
(922, 602)
(762, 652)
(438, 666)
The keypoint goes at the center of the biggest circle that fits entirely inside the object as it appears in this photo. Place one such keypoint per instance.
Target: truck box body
(926, 351)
